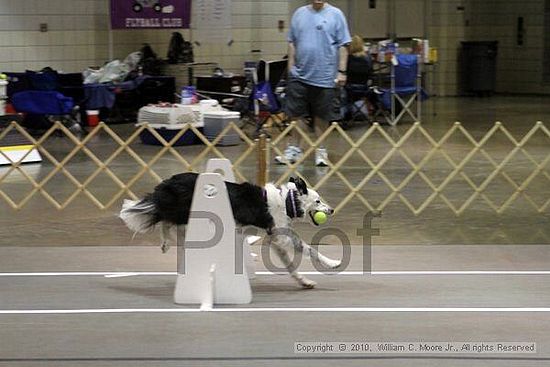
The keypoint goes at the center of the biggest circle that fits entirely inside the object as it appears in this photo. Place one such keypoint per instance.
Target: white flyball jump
(214, 263)
(224, 167)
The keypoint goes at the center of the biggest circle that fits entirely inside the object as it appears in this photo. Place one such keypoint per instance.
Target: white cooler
(3, 96)
(216, 121)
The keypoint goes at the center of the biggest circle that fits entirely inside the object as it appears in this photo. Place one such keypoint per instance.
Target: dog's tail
(138, 215)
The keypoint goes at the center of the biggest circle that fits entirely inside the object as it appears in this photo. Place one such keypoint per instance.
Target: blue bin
(188, 138)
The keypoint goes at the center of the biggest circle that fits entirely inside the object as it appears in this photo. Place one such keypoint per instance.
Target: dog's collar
(292, 205)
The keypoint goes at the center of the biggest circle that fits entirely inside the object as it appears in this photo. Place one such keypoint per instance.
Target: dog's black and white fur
(268, 208)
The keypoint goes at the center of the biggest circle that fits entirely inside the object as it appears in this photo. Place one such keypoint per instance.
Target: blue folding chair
(405, 90)
(49, 104)
(40, 96)
(42, 102)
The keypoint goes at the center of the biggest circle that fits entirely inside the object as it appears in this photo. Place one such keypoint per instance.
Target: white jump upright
(224, 167)
(207, 273)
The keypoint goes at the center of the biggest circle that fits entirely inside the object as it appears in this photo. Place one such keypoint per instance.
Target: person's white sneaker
(321, 157)
(291, 155)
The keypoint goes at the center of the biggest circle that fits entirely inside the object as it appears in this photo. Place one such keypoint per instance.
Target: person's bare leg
(315, 131)
(292, 152)
(320, 126)
(321, 155)
(294, 138)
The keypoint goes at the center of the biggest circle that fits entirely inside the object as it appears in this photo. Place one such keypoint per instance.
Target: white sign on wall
(211, 21)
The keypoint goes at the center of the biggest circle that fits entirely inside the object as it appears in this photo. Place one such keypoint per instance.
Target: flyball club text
(153, 22)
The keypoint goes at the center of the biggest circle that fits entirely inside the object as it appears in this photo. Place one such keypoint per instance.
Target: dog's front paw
(165, 247)
(307, 283)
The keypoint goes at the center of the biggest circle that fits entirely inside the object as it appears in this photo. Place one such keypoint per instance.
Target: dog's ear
(301, 185)
(292, 179)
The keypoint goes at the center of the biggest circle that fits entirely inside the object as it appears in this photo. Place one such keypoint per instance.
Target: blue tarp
(42, 102)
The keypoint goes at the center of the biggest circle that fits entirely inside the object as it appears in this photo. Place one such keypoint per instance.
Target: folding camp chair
(358, 89)
(269, 93)
(39, 98)
(50, 104)
(263, 96)
(405, 90)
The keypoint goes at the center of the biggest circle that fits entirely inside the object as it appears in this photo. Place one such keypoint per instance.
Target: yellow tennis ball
(320, 218)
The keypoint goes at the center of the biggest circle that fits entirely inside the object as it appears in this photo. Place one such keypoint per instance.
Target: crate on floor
(216, 121)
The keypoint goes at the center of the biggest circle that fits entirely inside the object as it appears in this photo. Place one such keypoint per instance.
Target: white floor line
(107, 274)
(277, 309)
(421, 272)
(114, 274)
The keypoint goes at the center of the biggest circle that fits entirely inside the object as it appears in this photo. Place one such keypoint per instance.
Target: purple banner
(128, 14)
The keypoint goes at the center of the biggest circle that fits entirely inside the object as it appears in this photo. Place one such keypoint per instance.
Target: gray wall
(78, 35)
(519, 67)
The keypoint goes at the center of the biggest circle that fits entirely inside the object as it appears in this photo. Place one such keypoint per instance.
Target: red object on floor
(93, 117)
(10, 109)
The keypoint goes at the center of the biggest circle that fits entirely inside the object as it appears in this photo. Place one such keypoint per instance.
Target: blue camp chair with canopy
(405, 94)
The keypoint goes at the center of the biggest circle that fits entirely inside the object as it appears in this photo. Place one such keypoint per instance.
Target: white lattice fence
(103, 166)
(472, 150)
(374, 168)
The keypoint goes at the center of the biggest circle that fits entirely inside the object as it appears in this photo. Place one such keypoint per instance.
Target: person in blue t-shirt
(317, 67)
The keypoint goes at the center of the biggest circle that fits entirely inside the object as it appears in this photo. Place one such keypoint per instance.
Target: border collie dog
(270, 208)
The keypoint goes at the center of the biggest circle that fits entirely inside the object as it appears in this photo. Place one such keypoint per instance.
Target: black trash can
(479, 66)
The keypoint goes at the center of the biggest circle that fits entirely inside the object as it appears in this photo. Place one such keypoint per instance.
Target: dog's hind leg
(164, 237)
(291, 267)
(316, 255)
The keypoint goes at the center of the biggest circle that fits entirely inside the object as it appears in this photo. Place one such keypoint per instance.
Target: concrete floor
(124, 319)
(39, 238)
